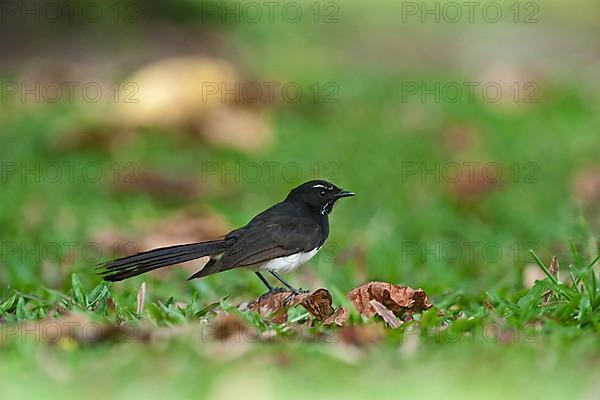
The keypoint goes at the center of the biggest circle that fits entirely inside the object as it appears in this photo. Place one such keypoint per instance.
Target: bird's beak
(344, 193)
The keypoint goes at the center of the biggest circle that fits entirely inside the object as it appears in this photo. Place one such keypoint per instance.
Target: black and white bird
(279, 239)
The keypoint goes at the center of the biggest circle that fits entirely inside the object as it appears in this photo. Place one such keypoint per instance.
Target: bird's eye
(322, 193)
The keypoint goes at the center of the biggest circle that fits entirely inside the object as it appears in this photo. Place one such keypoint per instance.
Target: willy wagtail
(279, 239)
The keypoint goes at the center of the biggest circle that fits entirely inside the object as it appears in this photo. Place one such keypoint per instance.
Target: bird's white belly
(289, 263)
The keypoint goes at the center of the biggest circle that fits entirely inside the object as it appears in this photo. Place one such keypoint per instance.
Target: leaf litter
(392, 303)
(388, 301)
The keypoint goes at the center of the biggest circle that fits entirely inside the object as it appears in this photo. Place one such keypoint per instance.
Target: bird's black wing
(277, 232)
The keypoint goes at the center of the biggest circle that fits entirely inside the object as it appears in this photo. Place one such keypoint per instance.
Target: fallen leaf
(243, 128)
(158, 185)
(361, 335)
(273, 306)
(233, 328)
(586, 192)
(586, 186)
(318, 304)
(33, 213)
(398, 299)
(339, 317)
(473, 183)
(203, 93)
(459, 138)
(511, 87)
(175, 91)
(75, 327)
(193, 97)
(84, 137)
(386, 314)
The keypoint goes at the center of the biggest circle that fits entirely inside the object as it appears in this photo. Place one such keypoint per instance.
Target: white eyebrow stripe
(318, 185)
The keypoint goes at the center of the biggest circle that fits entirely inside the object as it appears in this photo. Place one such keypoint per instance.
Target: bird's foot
(271, 292)
(299, 291)
(293, 292)
(277, 290)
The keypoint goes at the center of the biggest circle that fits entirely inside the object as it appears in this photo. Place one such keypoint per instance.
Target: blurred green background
(163, 155)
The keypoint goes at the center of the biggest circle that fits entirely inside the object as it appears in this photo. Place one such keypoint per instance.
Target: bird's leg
(292, 289)
(267, 284)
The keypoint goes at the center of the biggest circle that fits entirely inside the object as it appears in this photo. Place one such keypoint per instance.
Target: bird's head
(319, 195)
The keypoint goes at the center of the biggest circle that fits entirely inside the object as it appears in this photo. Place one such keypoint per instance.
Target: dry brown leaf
(318, 304)
(505, 75)
(243, 128)
(460, 138)
(232, 327)
(82, 138)
(473, 184)
(158, 185)
(33, 212)
(397, 299)
(274, 306)
(361, 335)
(586, 186)
(78, 328)
(203, 93)
(194, 97)
(339, 317)
(70, 326)
(586, 191)
(175, 91)
(386, 314)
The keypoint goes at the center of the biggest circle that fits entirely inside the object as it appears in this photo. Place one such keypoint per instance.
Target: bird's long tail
(126, 267)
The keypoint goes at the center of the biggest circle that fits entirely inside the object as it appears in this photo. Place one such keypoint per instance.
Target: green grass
(487, 336)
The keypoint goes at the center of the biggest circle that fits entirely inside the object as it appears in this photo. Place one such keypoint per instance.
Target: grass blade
(543, 267)
(586, 270)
